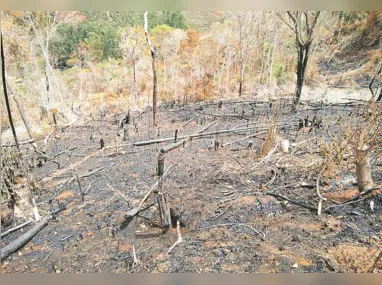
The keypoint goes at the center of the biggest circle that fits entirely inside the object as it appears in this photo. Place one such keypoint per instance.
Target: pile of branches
(13, 172)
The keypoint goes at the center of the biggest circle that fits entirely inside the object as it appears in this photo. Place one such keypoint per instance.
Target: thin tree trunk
(21, 110)
(155, 81)
(80, 79)
(5, 91)
(271, 63)
(45, 53)
(46, 70)
(221, 72)
(134, 73)
(227, 78)
(47, 85)
(164, 73)
(241, 79)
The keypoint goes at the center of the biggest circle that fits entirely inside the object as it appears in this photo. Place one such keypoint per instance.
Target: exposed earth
(230, 222)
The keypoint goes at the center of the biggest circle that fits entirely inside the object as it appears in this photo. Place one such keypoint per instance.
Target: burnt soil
(229, 223)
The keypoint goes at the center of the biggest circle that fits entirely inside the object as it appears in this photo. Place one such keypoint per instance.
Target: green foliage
(161, 29)
(94, 42)
(101, 30)
(279, 72)
(352, 16)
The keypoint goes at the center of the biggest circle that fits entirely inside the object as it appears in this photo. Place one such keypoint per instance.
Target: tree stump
(164, 210)
(125, 133)
(363, 170)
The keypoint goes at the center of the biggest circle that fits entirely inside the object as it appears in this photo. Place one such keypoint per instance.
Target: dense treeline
(100, 32)
(58, 60)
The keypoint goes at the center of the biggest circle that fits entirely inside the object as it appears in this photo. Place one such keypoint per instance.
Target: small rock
(295, 265)
(296, 238)
(372, 206)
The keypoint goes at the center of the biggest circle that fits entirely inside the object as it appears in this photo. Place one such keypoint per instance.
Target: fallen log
(247, 137)
(189, 121)
(197, 135)
(136, 210)
(182, 142)
(291, 201)
(25, 238)
(224, 115)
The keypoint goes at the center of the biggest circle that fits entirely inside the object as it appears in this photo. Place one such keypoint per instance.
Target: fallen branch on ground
(247, 137)
(15, 228)
(266, 157)
(358, 198)
(68, 181)
(25, 238)
(291, 201)
(133, 212)
(197, 135)
(180, 239)
(371, 269)
(189, 121)
(136, 260)
(182, 142)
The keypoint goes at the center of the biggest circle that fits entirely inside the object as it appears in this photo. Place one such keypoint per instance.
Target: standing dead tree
(6, 93)
(155, 80)
(303, 24)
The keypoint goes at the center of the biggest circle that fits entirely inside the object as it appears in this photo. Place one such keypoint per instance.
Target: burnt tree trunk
(155, 80)
(302, 61)
(5, 92)
(303, 24)
(164, 210)
(241, 83)
(375, 93)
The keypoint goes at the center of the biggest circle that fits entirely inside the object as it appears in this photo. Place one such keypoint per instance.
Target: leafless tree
(155, 80)
(246, 29)
(131, 45)
(303, 25)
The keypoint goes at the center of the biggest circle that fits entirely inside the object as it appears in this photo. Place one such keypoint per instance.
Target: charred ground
(230, 223)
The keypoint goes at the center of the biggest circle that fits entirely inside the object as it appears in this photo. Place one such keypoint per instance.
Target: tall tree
(131, 44)
(5, 90)
(245, 26)
(155, 80)
(44, 26)
(303, 25)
